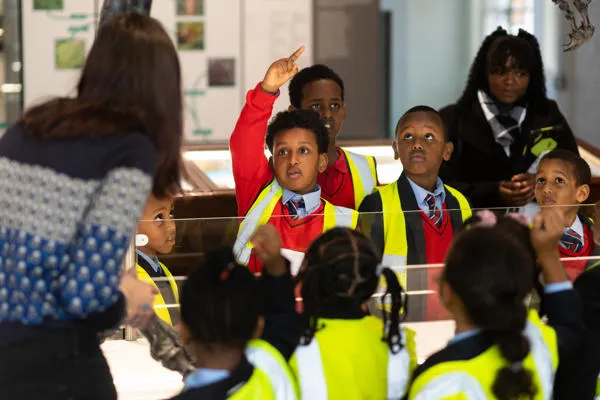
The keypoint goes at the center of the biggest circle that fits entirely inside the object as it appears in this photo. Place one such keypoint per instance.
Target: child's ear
(448, 149)
(271, 163)
(582, 193)
(323, 161)
(395, 147)
(260, 327)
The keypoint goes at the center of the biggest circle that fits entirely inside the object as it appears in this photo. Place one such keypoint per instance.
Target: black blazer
(478, 163)
(371, 224)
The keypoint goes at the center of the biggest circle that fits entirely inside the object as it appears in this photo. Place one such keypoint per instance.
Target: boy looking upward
(404, 236)
(563, 180)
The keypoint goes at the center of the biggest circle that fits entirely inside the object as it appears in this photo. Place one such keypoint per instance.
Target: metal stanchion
(129, 263)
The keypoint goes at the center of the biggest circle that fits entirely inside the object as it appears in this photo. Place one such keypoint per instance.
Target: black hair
(341, 275)
(311, 74)
(131, 82)
(580, 168)
(221, 302)
(424, 109)
(492, 56)
(305, 119)
(491, 270)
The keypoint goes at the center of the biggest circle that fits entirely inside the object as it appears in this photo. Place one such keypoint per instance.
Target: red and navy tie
(435, 214)
(294, 207)
(571, 241)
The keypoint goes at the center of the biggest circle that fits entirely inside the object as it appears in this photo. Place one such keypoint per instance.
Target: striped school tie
(435, 214)
(571, 241)
(294, 207)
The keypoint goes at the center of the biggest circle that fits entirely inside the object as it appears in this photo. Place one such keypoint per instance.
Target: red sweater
(437, 243)
(250, 167)
(574, 268)
(336, 183)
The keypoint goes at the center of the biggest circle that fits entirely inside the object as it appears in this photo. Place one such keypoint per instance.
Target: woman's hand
(139, 297)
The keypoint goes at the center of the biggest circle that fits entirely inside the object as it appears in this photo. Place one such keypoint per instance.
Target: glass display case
(216, 163)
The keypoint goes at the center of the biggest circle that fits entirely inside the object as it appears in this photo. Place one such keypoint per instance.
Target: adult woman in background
(503, 123)
(74, 176)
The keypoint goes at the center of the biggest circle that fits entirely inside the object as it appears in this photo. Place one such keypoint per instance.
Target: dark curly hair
(495, 50)
(304, 119)
(341, 274)
(311, 74)
(580, 168)
(221, 302)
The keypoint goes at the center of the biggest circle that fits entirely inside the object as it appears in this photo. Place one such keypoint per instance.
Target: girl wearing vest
(341, 353)
(283, 192)
(349, 177)
(223, 309)
(563, 180)
(158, 226)
(412, 221)
(502, 351)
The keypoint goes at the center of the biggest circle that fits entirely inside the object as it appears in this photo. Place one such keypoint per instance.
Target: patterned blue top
(68, 209)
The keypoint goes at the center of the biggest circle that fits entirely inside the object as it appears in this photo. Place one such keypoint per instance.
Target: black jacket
(371, 224)
(478, 163)
(578, 370)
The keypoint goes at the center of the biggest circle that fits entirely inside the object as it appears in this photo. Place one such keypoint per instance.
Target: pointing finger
(295, 55)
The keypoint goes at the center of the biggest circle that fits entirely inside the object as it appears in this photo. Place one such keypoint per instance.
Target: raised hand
(281, 71)
(548, 227)
(267, 246)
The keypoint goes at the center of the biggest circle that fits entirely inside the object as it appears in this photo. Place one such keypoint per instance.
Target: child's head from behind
(298, 142)
(563, 178)
(221, 304)
(319, 88)
(488, 274)
(421, 142)
(158, 225)
(339, 275)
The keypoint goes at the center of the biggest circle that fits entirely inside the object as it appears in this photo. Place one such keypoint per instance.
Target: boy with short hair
(416, 238)
(283, 191)
(349, 177)
(563, 180)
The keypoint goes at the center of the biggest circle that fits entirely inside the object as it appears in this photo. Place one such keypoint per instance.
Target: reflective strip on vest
(364, 175)
(453, 379)
(162, 312)
(259, 214)
(311, 375)
(262, 210)
(395, 250)
(265, 357)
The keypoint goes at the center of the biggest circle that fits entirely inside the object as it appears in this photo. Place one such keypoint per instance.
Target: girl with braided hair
(345, 353)
(503, 123)
(501, 350)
